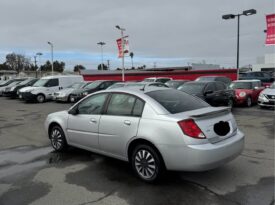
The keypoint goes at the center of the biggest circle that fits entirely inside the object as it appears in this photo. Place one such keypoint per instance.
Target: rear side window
(126, 105)
(175, 101)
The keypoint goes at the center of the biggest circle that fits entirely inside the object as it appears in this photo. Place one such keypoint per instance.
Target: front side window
(52, 82)
(123, 104)
(92, 105)
(210, 87)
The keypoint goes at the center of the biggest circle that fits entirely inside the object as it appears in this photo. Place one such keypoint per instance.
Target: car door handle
(127, 122)
(93, 120)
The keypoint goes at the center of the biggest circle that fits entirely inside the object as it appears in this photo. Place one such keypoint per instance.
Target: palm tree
(132, 55)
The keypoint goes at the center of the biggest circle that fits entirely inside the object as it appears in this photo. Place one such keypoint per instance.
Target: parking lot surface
(32, 173)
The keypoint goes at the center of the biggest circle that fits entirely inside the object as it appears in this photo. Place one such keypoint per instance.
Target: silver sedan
(155, 130)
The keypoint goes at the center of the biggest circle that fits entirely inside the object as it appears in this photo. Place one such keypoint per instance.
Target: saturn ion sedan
(154, 130)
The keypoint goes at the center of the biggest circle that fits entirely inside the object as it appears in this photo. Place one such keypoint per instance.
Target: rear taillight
(191, 129)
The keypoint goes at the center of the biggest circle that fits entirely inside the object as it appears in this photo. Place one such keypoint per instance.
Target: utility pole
(52, 54)
(101, 45)
(122, 45)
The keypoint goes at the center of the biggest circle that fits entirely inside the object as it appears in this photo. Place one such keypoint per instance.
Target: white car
(267, 97)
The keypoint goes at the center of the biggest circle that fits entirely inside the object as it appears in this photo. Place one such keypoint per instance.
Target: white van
(44, 88)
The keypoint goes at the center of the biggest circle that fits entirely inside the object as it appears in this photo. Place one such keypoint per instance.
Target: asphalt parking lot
(32, 173)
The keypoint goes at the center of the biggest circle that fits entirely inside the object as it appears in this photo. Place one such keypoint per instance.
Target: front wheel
(248, 102)
(147, 163)
(58, 139)
(40, 98)
(230, 103)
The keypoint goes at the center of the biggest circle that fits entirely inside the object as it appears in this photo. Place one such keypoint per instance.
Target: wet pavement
(32, 173)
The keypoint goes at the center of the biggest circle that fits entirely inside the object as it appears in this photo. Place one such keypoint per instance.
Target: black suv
(214, 93)
(264, 77)
(12, 91)
(91, 88)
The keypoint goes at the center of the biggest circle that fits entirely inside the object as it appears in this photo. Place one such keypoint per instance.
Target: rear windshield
(192, 88)
(175, 101)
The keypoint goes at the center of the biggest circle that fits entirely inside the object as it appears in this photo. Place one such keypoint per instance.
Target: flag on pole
(126, 46)
(270, 31)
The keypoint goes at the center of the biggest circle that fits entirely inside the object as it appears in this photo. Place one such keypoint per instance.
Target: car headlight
(261, 95)
(61, 94)
(85, 93)
(12, 88)
(242, 94)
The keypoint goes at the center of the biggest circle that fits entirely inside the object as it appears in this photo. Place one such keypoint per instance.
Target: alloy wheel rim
(145, 164)
(248, 101)
(56, 139)
(40, 98)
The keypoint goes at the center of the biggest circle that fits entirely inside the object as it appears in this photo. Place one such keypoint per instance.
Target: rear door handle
(127, 122)
(93, 120)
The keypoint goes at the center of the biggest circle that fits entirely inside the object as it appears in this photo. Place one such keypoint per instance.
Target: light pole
(52, 54)
(232, 16)
(101, 45)
(122, 45)
(37, 54)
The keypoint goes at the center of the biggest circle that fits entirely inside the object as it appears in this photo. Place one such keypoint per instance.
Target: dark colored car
(223, 79)
(265, 77)
(91, 88)
(175, 83)
(213, 92)
(12, 91)
(246, 91)
(8, 83)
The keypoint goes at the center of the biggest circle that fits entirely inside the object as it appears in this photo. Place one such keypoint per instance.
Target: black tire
(70, 99)
(147, 163)
(58, 139)
(40, 98)
(230, 103)
(248, 101)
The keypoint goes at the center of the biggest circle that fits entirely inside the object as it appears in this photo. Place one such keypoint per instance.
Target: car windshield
(272, 86)
(174, 84)
(241, 85)
(25, 82)
(2, 83)
(117, 85)
(40, 83)
(175, 101)
(192, 88)
(76, 85)
(93, 85)
(205, 79)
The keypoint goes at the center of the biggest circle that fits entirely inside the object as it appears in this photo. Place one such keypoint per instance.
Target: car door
(119, 123)
(209, 93)
(83, 124)
(51, 86)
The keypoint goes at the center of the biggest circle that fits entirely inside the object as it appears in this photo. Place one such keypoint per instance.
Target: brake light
(191, 129)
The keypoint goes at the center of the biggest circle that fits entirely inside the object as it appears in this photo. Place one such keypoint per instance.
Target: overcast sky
(167, 32)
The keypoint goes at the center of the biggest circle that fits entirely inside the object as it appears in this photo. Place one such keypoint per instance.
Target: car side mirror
(73, 111)
(208, 92)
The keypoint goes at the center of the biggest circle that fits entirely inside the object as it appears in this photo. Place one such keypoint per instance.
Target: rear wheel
(147, 163)
(57, 138)
(71, 99)
(248, 101)
(40, 98)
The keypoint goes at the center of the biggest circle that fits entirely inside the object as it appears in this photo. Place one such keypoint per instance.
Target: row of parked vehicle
(215, 90)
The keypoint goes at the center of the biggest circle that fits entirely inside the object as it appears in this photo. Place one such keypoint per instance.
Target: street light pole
(232, 16)
(122, 45)
(101, 45)
(38, 54)
(52, 54)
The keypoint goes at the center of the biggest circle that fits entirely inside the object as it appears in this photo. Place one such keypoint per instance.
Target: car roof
(60, 76)
(246, 81)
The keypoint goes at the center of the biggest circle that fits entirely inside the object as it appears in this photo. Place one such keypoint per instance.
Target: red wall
(178, 74)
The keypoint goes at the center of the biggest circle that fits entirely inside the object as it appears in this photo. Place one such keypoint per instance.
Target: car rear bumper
(202, 157)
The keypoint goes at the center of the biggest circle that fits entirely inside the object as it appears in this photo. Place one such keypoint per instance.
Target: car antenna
(143, 89)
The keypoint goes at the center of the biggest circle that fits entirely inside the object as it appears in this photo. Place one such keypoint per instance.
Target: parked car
(267, 97)
(175, 83)
(117, 85)
(65, 94)
(246, 91)
(91, 88)
(213, 92)
(8, 83)
(45, 87)
(265, 77)
(13, 90)
(153, 130)
(157, 79)
(143, 85)
(223, 79)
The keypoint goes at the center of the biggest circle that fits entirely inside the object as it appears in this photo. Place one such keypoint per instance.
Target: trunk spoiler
(213, 112)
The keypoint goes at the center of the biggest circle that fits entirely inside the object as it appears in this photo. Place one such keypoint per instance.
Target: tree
(57, 66)
(17, 62)
(77, 68)
(4, 67)
(132, 55)
(99, 67)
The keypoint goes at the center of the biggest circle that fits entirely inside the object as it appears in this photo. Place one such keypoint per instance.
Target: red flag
(126, 46)
(270, 32)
